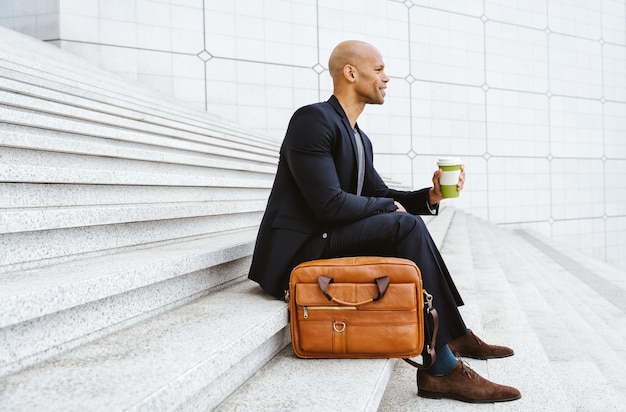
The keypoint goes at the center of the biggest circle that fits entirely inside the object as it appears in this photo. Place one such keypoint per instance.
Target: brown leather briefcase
(359, 307)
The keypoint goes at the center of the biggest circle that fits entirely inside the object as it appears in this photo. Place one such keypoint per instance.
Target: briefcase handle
(382, 283)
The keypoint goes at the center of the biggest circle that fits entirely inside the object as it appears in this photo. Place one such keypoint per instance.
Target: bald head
(351, 52)
(359, 78)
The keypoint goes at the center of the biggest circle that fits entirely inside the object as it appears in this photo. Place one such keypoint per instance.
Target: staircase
(126, 228)
(563, 313)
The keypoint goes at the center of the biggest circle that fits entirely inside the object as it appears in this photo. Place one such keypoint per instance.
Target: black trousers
(403, 235)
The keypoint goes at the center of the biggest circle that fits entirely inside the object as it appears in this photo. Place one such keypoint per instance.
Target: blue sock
(444, 362)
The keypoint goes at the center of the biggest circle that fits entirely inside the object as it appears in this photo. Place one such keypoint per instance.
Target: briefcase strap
(431, 327)
(382, 283)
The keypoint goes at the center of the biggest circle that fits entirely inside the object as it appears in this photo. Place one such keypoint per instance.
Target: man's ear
(350, 73)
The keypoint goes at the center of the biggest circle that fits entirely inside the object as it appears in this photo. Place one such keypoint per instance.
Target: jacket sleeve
(416, 202)
(308, 150)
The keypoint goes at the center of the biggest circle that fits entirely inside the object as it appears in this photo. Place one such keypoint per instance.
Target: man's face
(372, 80)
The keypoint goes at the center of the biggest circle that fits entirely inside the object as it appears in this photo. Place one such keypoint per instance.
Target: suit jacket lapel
(349, 132)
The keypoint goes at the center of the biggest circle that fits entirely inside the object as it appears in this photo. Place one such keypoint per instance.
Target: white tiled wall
(532, 94)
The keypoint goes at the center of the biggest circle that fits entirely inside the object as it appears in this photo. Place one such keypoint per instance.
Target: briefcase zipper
(308, 308)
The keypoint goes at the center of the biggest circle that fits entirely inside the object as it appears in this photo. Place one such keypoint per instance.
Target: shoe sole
(438, 395)
(465, 355)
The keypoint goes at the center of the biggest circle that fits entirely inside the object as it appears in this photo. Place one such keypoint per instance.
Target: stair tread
(32, 195)
(27, 294)
(124, 130)
(609, 281)
(599, 307)
(564, 321)
(73, 75)
(128, 312)
(306, 387)
(47, 218)
(31, 87)
(142, 363)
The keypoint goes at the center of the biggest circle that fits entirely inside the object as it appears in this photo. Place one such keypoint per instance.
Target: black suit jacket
(314, 192)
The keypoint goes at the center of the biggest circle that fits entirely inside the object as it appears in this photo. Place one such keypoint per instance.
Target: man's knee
(408, 225)
(399, 226)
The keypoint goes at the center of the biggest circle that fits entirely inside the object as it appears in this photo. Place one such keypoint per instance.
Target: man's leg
(404, 235)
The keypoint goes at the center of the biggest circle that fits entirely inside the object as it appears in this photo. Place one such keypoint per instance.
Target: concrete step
(586, 337)
(22, 111)
(490, 310)
(288, 383)
(508, 309)
(607, 280)
(69, 130)
(126, 228)
(48, 218)
(43, 65)
(564, 336)
(188, 358)
(98, 173)
(38, 89)
(26, 195)
(31, 249)
(46, 310)
(439, 225)
(126, 102)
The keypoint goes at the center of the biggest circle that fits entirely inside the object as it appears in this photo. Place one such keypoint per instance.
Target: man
(328, 201)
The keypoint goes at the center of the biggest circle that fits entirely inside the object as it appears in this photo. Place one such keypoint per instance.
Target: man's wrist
(433, 199)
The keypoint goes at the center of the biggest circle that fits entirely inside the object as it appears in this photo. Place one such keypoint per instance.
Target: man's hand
(435, 192)
(400, 207)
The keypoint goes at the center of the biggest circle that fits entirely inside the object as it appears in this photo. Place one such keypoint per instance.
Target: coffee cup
(451, 167)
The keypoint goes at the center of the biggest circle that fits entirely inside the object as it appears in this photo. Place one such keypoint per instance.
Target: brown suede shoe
(471, 346)
(465, 385)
